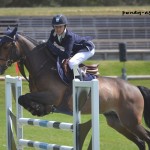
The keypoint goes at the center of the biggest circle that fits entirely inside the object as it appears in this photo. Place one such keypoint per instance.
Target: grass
(110, 139)
(71, 11)
(110, 68)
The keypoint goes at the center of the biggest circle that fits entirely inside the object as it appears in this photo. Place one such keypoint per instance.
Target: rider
(71, 48)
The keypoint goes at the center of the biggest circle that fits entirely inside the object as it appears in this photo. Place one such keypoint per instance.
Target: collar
(62, 35)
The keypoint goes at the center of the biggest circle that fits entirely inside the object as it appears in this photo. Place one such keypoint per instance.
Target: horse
(122, 103)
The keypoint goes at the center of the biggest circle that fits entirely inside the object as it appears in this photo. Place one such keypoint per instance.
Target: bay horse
(122, 103)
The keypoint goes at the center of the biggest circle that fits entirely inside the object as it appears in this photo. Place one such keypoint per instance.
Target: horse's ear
(13, 32)
(16, 25)
(8, 30)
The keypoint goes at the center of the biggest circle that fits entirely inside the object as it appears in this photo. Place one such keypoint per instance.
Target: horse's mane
(35, 42)
(39, 50)
(43, 47)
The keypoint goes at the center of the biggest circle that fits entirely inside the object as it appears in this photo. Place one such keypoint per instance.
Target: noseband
(13, 55)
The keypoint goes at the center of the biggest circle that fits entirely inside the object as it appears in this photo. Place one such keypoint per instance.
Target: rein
(1, 42)
(14, 56)
(11, 59)
(20, 63)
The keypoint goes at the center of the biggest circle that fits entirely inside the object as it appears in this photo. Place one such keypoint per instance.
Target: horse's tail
(146, 95)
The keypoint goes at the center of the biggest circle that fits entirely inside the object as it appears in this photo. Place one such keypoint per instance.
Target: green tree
(27, 3)
(3, 3)
(111, 3)
(36, 3)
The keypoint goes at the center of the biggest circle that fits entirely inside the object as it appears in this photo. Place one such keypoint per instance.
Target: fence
(107, 31)
(13, 86)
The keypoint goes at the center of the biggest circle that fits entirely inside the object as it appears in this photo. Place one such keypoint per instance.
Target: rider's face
(59, 29)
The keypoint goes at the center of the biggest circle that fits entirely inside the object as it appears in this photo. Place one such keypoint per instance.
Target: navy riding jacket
(70, 44)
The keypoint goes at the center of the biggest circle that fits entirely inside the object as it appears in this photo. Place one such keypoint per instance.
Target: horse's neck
(36, 57)
(25, 46)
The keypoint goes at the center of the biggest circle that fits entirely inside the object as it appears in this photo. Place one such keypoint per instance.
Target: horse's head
(7, 49)
(16, 47)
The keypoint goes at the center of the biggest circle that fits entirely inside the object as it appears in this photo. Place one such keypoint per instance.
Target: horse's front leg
(38, 103)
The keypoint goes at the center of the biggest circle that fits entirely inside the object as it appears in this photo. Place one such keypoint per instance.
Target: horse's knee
(22, 101)
(35, 108)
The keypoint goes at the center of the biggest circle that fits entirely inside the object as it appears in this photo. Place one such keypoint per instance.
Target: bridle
(13, 54)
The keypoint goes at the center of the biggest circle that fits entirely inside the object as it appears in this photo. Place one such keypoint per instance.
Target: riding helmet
(59, 20)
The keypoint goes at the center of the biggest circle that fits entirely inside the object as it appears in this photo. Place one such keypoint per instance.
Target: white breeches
(80, 57)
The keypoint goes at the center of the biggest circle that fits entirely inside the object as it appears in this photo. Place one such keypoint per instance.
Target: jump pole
(16, 82)
(94, 87)
(19, 121)
(12, 83)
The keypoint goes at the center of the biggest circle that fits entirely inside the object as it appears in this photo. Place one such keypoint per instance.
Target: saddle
(87, 72)
(91, 69)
